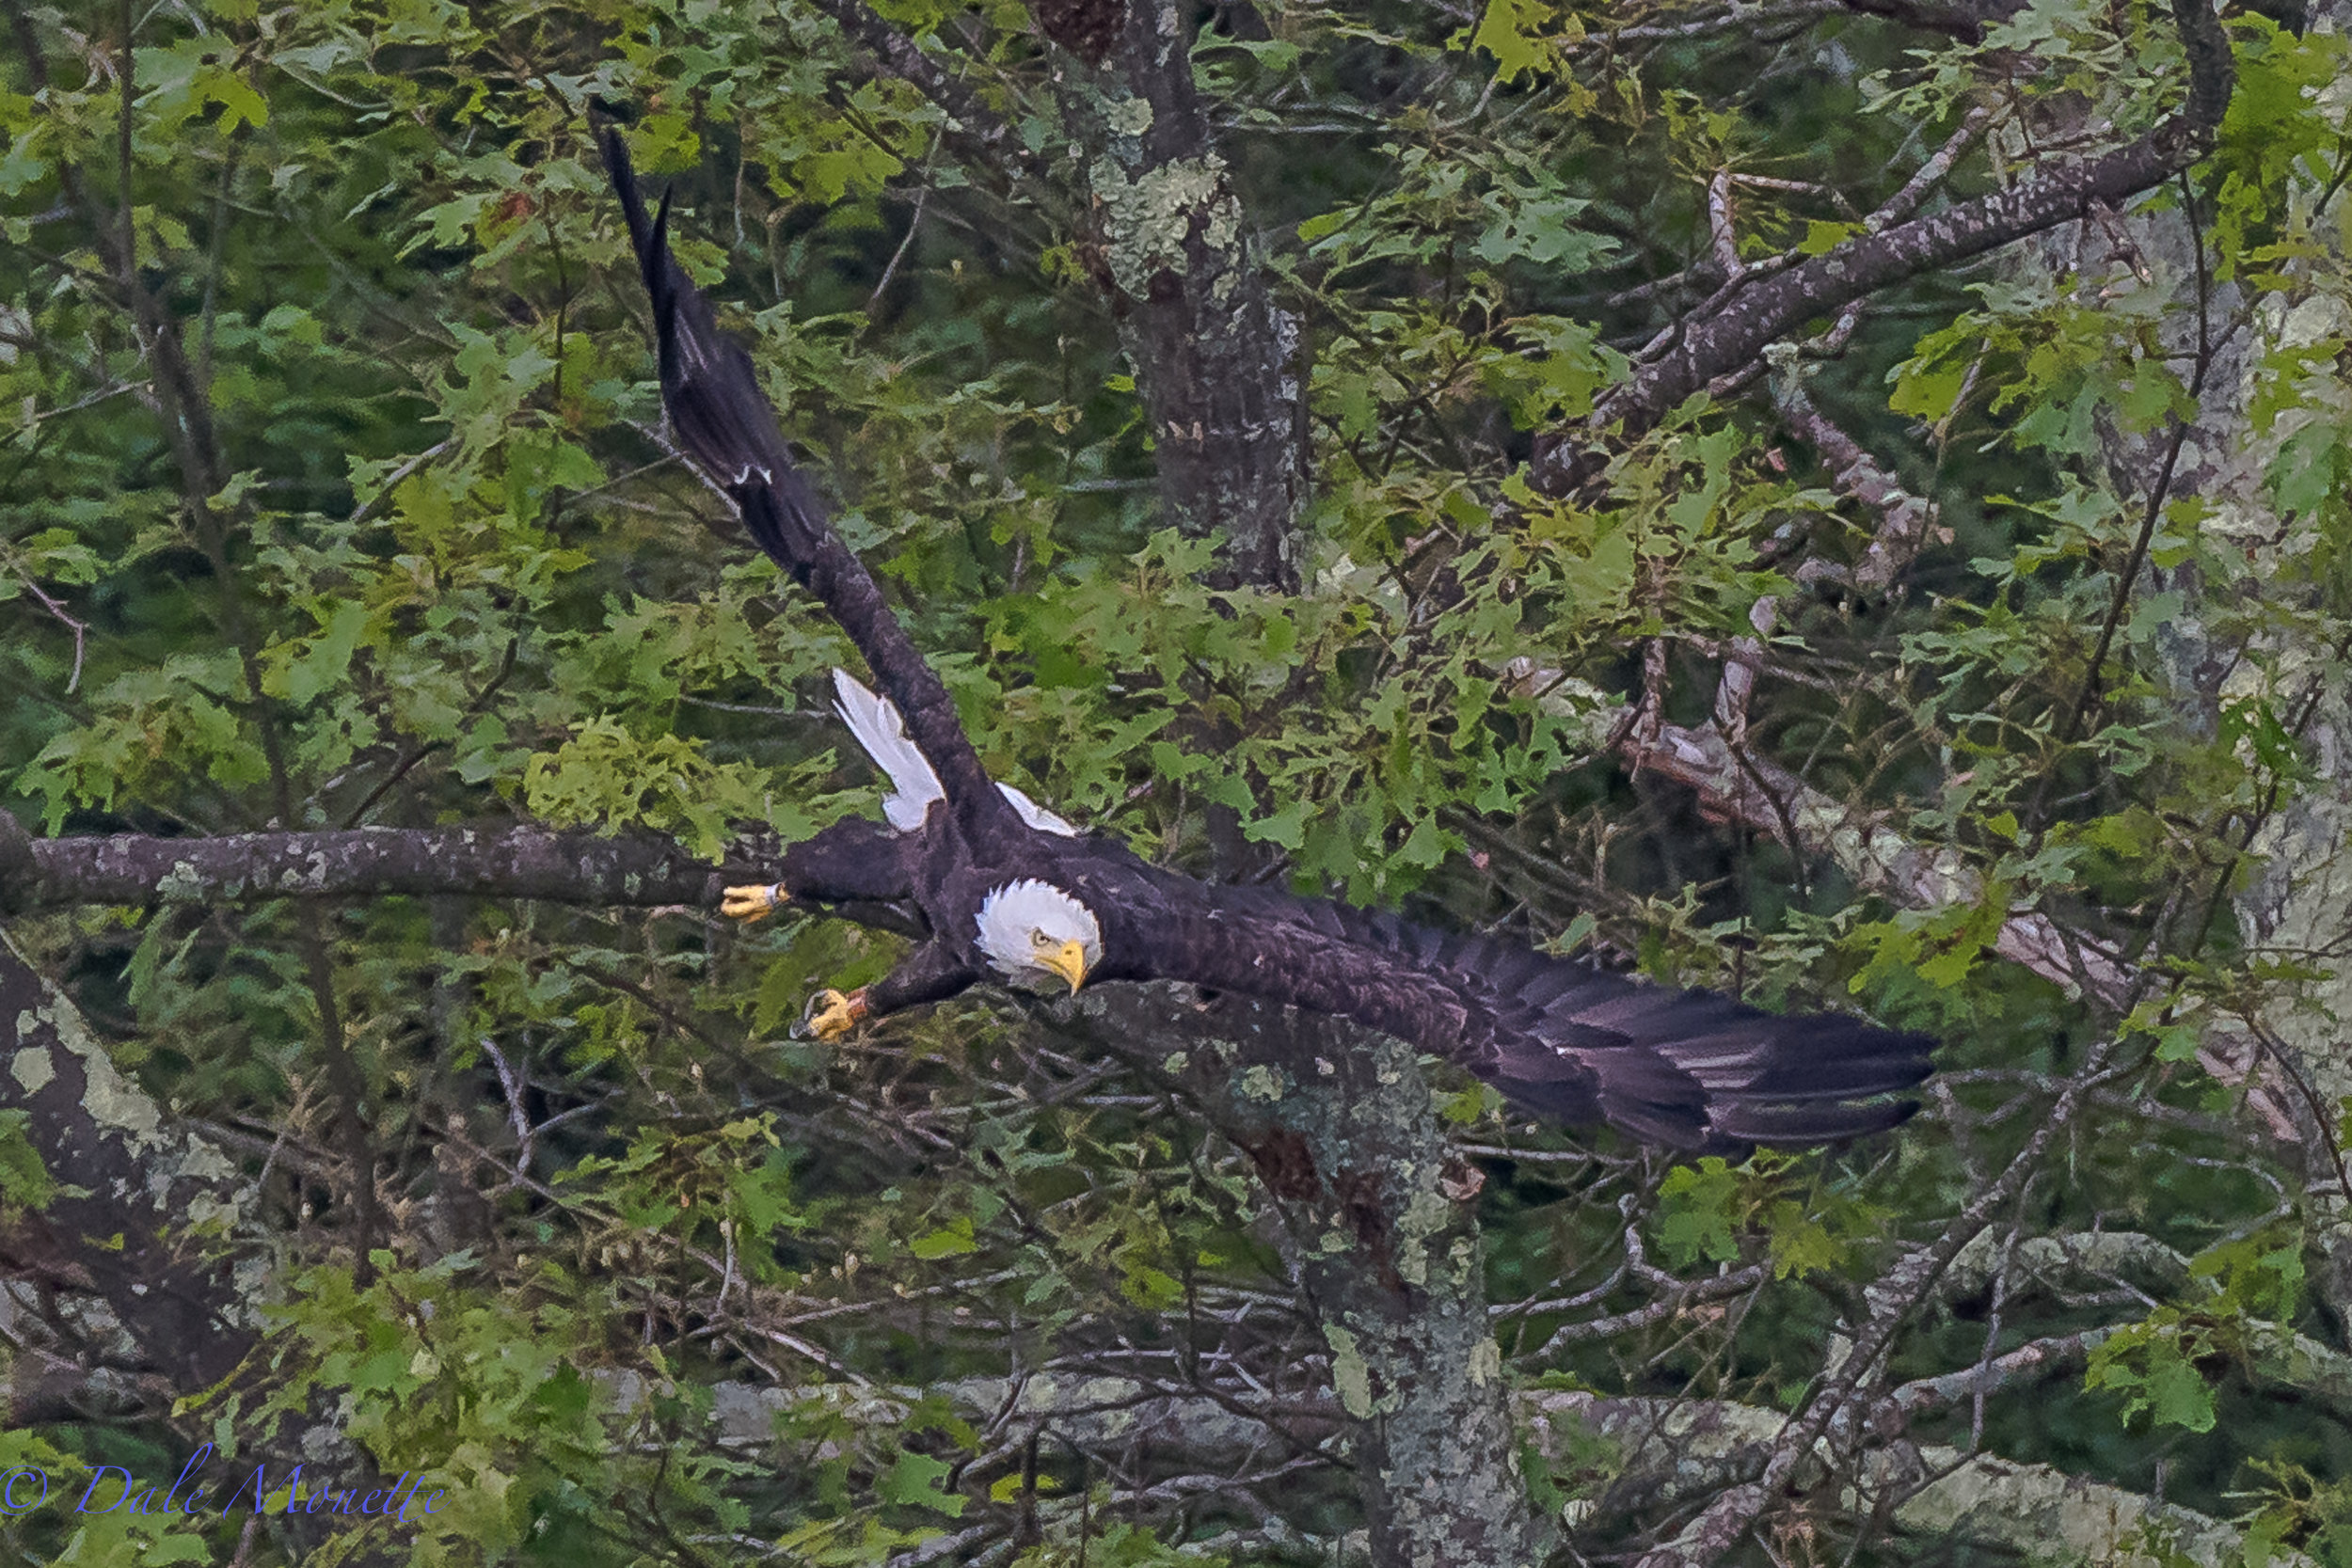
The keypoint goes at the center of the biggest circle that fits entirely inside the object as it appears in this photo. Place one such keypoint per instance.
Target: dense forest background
(1842, 501)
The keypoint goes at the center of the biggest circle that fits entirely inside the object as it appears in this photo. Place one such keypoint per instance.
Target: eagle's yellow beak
(1068, 960)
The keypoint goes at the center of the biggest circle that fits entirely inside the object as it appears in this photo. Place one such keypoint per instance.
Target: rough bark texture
(1673, 1449)
(1379, 1207)
(2299, 903)
(148, 1208)
(494, 860)
(1214, 357)
(1337, 1120)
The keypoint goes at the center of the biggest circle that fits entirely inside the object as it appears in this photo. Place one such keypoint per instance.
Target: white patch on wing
(1036, 815)
(874, 719)
(876, 723)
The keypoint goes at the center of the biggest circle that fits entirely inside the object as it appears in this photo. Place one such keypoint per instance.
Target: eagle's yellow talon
(752, 903)
(832, 1014)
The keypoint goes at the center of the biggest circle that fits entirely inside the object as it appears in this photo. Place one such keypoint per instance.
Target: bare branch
(981, 135)
(2035, 1360)
(1680, 1448)
(1905, 520)
(1772, 799)
(58, 612)
(1927, 176)
(492, 861)
(1699, 1293)
(1720, 338)
(1736, 786)
(1737, 1509)
(1721, 235)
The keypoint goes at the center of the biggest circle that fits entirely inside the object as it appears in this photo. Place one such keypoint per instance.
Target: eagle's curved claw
(752, 903)
(832, 1014)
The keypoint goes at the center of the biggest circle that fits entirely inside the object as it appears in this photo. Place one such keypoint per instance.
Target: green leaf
(2173, 1394)
(913, 1481)
(24, 1182)
(1511, 31)
(1287, 827)
(1539, 231)
(1153, 1289)
(1798, 1243)
(948, 1240)
(2146, 1363)
(1698, 1215)
(1821, 237)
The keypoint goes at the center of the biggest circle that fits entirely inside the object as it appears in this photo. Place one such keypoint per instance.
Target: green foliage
(1699, 1211)
(24, 1182)
(2298, 1513)
(437, 566)
(2163, 1366)
(606, 776)
(2154, 1366)
(1706, 1209)
(1514, 32)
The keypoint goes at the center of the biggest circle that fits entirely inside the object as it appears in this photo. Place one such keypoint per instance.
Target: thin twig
(79, 627)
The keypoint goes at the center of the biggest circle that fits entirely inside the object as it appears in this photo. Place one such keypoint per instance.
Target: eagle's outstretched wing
(727, 425)
(1684, 1069)
(1576, 1043)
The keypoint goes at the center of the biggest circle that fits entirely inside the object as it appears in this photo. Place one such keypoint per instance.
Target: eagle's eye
(1038, 939)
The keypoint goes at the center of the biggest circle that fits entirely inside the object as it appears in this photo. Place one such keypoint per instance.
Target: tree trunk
(1215, 360)
(1337, 1120)
(1381, 1214)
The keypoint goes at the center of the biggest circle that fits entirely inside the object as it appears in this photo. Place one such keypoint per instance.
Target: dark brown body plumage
(1687, 1070)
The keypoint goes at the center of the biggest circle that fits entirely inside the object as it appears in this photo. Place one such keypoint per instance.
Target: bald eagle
(1014, 893)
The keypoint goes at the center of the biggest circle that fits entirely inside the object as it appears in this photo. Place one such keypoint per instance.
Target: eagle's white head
(1033, 931)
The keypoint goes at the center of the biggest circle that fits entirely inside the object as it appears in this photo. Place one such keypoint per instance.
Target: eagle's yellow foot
(832, 1014)
(752, 903)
